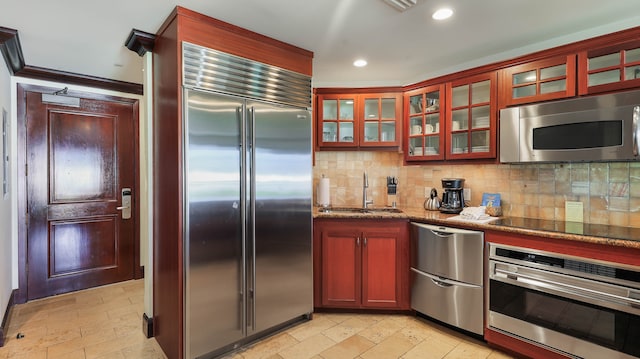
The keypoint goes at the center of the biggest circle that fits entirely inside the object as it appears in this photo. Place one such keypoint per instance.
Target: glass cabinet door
(380, 119)
(424, 124)
(615, 69)
(471, 123)
(356, 120)
(338, 120)
(540, 80)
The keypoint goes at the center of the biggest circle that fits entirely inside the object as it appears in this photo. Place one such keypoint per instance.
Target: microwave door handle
(636, 135)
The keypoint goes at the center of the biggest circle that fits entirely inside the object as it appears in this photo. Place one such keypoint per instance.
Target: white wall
(6, 215)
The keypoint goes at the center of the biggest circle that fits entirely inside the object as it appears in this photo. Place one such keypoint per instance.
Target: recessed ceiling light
(442, 14)
(360, 63)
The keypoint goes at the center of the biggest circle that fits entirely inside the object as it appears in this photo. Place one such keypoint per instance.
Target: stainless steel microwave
(596, 128)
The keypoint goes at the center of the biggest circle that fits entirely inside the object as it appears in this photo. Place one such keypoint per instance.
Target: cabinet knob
(358, 241)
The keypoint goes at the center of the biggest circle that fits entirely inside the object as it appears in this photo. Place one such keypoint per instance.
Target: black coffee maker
(453, 196)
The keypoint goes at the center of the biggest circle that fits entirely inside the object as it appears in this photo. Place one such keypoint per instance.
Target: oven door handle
(585, 292)
(443, 282)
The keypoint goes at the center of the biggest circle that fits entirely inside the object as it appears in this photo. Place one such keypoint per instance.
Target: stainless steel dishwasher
(447, 275)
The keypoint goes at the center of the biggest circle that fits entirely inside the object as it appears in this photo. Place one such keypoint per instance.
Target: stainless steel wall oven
(574, 306)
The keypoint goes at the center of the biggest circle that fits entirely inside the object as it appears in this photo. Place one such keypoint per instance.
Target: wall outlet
(427, 191)
(466, 192)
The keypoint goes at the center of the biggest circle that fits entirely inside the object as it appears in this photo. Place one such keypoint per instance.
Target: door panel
(380, 284)
(77, 161)
(213, 232)
(341, 284)
(82, 245)
(82, 157)
(283, 264)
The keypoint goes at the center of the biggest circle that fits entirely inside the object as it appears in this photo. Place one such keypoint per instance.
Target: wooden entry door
(78, 163)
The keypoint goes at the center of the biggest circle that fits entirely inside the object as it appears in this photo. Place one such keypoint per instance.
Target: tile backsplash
(610, 192)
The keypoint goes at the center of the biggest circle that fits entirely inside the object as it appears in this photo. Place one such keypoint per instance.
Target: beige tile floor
(106, 323)
(368, 336)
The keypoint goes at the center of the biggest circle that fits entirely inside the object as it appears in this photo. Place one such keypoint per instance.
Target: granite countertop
(582, 232)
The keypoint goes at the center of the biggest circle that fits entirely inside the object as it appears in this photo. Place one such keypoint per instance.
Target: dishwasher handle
(442, 234)
(444, 282)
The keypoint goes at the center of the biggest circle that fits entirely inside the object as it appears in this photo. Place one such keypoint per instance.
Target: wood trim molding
(359, 90)
(12, 52)
(140, 42)
(4, 328)
(41, 73)
(573, 48)
(11, 49)
(242, 32)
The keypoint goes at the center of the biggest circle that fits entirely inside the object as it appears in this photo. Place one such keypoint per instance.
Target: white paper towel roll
(323, 192)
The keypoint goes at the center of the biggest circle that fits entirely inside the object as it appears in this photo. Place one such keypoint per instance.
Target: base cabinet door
(362, 263)
(340, 268)
(380, 282)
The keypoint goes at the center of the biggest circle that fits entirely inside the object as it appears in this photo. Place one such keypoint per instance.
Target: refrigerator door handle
(243, 219)
(252, 210)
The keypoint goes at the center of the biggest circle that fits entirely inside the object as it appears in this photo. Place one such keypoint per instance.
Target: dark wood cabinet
(542, 80)
(610, 68)
(358, 120)
(452, 121)
(425, 124)
(361, 264)
(471, 117)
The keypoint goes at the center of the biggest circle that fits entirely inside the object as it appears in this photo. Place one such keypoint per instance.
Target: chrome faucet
(365, 185)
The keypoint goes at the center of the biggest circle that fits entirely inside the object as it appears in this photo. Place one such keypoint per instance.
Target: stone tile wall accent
(610, 191)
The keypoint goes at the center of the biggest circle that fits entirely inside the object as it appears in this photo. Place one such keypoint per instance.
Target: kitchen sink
(359, 210)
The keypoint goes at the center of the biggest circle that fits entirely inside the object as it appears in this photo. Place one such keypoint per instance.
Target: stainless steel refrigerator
(248, 255)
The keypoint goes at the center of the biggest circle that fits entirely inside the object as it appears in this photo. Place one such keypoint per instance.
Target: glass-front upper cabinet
(336, 121)
(609, 69)
(424, 124)
(380, 125)
(471, 124)
(541, 80)
(359, 120)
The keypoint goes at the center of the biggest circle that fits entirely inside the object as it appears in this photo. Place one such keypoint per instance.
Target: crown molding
(140, 42)
(13, 57)
(11, 49)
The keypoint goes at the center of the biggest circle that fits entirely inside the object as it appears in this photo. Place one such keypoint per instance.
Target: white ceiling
(87, 37)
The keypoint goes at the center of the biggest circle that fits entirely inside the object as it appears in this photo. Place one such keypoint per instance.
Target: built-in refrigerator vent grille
(209, 69)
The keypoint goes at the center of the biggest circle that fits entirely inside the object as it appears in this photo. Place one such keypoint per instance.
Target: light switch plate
(573, 211)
